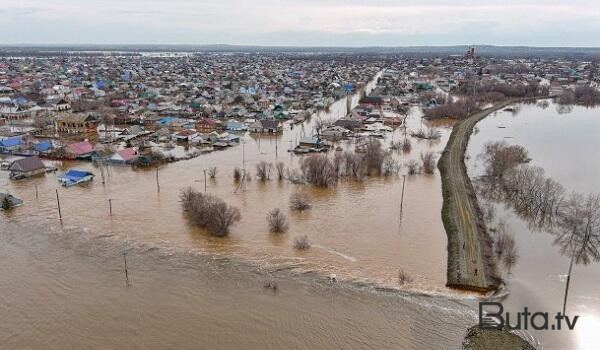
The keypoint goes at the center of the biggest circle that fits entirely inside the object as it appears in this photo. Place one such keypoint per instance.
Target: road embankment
(471, 264)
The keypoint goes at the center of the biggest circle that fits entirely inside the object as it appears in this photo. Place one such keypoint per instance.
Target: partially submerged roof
(27, 164)
(80, 148)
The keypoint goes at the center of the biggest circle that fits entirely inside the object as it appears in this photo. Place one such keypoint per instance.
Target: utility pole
(204, 180)
(126, 271)
(243, 156)
(110, 206)
(157, 182)
(402, 198)
(102, 173)
(58, 201)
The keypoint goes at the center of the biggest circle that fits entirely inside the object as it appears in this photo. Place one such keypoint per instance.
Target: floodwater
(565, 143)
(63, 282)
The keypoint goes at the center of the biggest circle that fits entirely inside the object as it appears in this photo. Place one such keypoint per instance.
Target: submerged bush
(208, 211)
(404, 277)
(263, 170)
(428, 162)
(302, 242)
(319, 170)
(299, 201)
(277, 221)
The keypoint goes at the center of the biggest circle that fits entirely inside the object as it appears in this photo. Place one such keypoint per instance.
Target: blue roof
(166, 120)
(74, 175)
(44, 146)
(11, 142)
(77, 173)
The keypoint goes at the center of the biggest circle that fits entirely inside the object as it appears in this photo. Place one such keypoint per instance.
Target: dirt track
(470, 260)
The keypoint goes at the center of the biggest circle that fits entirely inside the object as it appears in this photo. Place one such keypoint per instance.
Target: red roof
(127, 154)
(81, 148)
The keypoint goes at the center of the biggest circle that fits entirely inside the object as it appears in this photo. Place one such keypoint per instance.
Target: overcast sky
(302, 22)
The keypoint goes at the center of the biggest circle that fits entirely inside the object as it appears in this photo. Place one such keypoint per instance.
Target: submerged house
(44, 146)
(79, 150)
(268, 126)
(234, 125)
(14, 201)
(125, 156)
(11, 144)
(26, 167)
(311, 142)
(74, 177)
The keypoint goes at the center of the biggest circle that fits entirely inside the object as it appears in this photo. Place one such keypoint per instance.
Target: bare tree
(277, 221)
(319, 170)
(500, 157)
(237, 174)
(413, 167)
(212, 172)
(579, 233)
(390, 165)
(406, 145)
(374, 157)
(280, 167)
(263, 170)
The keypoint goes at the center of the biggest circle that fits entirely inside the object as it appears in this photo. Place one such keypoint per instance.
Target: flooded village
(259, 189)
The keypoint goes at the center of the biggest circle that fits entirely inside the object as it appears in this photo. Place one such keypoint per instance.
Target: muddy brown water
(63, 284)
(566, 146)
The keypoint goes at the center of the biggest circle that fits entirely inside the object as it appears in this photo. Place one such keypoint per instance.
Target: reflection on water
(564, 145)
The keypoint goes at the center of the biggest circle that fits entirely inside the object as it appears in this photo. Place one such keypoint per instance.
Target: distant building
(76, 124)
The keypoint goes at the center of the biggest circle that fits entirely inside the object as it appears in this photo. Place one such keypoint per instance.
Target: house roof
(11, 142)
(44, 146)
(80, 148)
(269, 123)
(27, 164)
(127, 154)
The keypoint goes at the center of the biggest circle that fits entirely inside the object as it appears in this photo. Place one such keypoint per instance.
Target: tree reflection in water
(574, 219)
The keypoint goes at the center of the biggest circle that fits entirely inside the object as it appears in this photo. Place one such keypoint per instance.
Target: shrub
(302, 242)
(299, 201)
(263, 170)
(319, 170)
(390, 165)
(277, 221)
(404, 277)
(459, 109)
(406, 146)
(413, 167)
(237, 174)
(208, 211)
(431, 134)
(428, 162)
(212, 172)
(280, 167)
